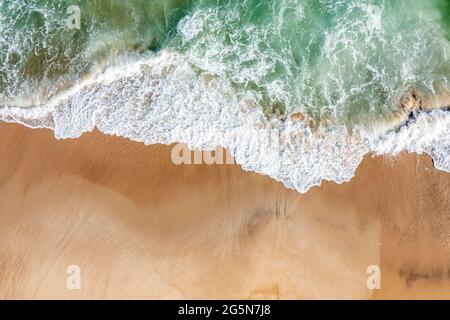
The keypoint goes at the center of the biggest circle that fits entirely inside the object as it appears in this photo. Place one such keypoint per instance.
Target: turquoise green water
(351, 59)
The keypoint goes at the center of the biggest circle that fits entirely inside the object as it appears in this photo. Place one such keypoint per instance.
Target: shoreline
(152, 108)
(122, 210)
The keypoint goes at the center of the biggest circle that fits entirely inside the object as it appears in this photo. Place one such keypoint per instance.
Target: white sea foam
(163, 99)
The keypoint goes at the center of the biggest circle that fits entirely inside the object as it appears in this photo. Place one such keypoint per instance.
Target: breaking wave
(298, 90)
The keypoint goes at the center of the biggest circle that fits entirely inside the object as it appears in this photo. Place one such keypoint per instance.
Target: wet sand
(141, 227)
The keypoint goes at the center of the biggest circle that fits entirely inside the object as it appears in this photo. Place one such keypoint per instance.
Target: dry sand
(140, 227)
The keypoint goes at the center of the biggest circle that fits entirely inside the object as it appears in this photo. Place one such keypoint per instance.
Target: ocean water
(300, 90)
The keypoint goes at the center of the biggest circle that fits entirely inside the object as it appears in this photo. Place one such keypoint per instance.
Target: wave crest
(164, 99)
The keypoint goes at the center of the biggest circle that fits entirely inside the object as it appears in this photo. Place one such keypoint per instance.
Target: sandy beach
(139, 226)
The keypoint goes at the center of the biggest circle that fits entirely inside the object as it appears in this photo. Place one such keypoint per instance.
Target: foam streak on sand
(163, 99)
